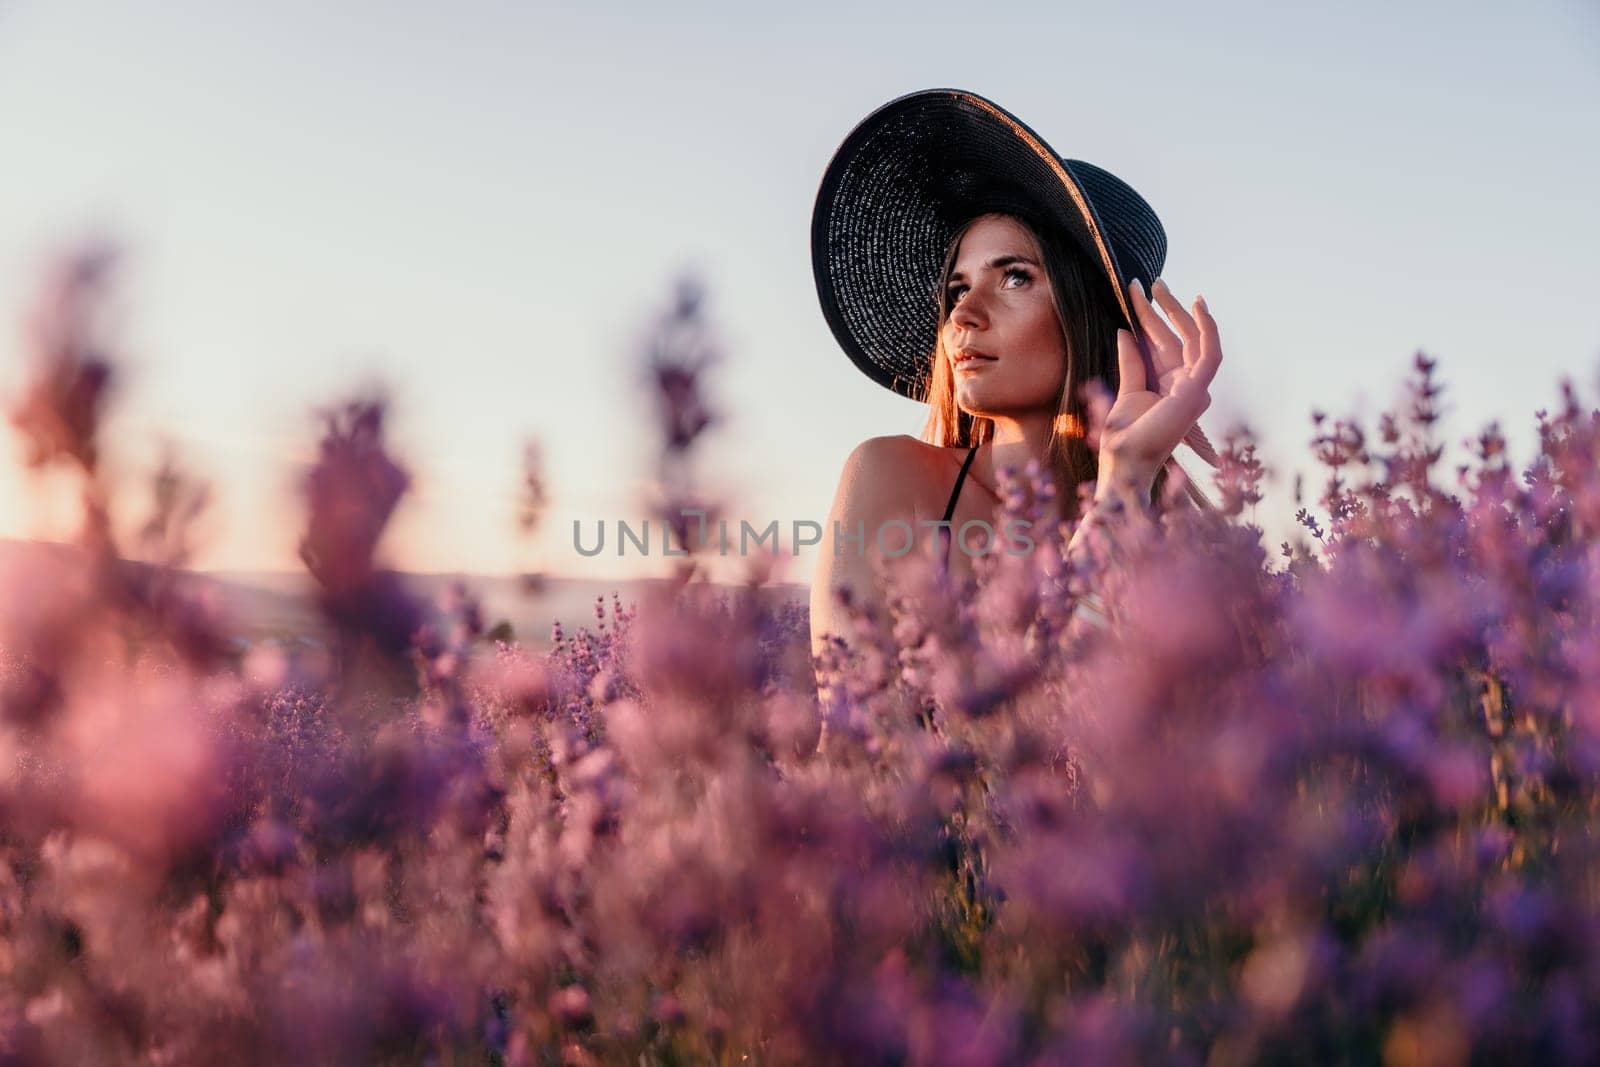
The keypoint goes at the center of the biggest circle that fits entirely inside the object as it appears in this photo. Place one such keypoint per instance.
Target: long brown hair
(1090, 318)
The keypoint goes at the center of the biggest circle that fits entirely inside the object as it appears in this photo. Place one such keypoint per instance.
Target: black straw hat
(914, 172)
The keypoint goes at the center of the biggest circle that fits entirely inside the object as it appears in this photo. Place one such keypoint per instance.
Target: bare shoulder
(893, 451)
(884, 479)
(899, 458)
(898, 472)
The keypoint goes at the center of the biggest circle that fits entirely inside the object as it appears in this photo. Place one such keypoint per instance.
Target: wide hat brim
(914, 172)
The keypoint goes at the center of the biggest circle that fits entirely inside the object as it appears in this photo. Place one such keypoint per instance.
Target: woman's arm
(874, 487)
(1135, 432)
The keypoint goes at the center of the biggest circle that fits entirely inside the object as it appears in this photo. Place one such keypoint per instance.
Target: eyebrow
(998, 262)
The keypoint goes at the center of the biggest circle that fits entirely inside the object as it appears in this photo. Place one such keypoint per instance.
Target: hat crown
(1130, 224)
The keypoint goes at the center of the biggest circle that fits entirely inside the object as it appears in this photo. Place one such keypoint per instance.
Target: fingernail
(1202, 302)
(1134, 285)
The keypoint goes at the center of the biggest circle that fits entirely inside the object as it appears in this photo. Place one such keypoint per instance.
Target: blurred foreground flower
(1338, 811)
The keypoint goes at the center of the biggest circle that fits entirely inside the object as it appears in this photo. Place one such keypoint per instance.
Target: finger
(1097, 398)
(1167, 347)
(1130, 364)
(1181, 320)
(1205, 368)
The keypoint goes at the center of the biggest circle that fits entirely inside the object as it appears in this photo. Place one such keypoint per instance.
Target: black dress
(950, 508)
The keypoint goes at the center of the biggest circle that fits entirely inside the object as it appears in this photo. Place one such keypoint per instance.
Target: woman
(961, 262)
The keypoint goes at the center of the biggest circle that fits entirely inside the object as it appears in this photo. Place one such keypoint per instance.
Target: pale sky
(481, 205)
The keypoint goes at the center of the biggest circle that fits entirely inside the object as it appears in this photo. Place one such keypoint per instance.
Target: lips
(968, 357)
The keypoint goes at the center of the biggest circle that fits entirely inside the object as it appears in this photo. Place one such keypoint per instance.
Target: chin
(994, 399)
(988, 403)
(972, 405)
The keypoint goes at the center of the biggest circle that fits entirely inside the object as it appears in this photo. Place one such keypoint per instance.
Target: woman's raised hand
(1166, 375)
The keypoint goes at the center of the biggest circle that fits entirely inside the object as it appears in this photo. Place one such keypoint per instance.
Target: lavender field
(1329, 802)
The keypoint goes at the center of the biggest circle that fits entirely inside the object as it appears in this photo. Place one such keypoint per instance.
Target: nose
(967, 313)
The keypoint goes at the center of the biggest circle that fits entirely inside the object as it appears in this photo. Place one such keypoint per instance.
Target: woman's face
(1003, 337)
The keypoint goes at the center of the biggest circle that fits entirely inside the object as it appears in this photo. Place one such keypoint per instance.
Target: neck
(1017, 439)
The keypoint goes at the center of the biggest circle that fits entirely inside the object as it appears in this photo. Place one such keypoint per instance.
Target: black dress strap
(950, 508)
(955, 494)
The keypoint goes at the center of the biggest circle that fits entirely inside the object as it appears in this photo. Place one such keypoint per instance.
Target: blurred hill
(280, 605)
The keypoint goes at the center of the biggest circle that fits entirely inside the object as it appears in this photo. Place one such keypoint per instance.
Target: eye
(954, 293)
